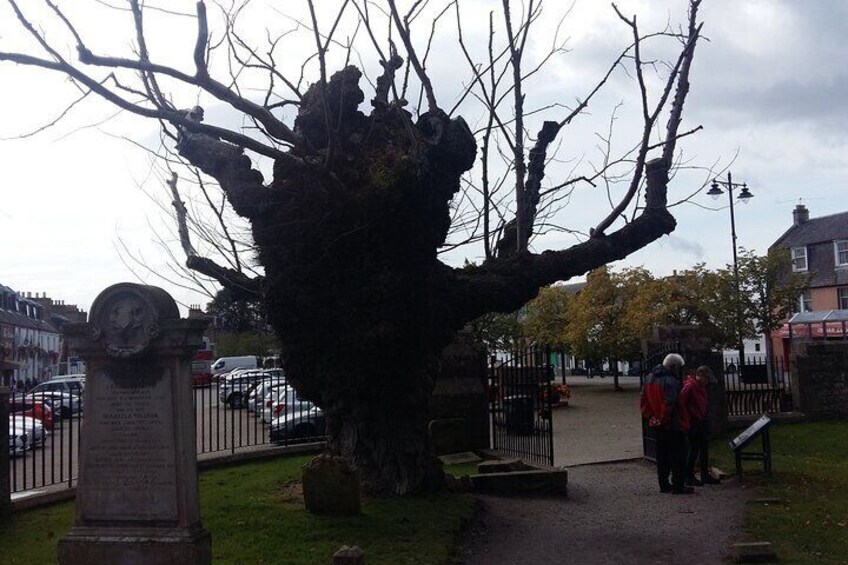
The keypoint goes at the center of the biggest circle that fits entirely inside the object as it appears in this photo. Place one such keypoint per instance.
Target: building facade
(818, 247)
(32, 348)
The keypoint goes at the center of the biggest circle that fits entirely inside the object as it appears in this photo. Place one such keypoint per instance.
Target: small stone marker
(754, 552)
(137, 498)
(331, 486)
(349, 556)
(460, 458)
(503, 466)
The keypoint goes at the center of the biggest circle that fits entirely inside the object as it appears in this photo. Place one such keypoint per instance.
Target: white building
(29, 345)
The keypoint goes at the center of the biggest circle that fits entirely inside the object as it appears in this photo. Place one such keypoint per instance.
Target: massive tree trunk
(353, 285)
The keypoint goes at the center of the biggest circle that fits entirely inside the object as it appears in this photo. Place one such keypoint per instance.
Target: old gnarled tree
(363, 196)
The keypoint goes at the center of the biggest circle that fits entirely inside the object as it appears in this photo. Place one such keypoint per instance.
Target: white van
(227, 364)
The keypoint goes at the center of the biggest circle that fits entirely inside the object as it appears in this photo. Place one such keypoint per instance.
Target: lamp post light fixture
(744, 196)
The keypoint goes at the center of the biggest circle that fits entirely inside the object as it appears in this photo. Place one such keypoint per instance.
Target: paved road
(599, 423)
(613, 512)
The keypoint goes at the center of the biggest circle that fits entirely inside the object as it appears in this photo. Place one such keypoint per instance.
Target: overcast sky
(769, 87)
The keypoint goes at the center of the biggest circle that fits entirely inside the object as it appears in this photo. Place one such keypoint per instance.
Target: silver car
(29, 430)
(263, 393)
(284, 401)
(235, 388)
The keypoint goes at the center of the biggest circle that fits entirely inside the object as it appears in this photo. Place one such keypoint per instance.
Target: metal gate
(521, 395)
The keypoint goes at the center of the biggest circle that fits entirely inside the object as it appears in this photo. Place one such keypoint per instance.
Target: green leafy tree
(240, 326)
(546, 317)
(245, 343)
(598, 328)
(769, 288)
(497, 331)
(236, 313)
(705, 298)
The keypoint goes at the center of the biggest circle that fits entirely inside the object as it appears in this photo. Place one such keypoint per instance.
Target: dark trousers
(699, 443)
(671, 459)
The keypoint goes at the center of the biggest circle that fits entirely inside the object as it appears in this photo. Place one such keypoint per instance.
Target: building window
(799, 259)
(842, 297)
(757, 347)
(805, 302)
(840, 249)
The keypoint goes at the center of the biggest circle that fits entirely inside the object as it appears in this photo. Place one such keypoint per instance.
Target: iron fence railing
(758, 385)
(224, 426)
(521, 392)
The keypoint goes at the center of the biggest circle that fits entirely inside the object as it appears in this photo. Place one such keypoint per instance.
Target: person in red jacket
(660, 406)
(694, 400)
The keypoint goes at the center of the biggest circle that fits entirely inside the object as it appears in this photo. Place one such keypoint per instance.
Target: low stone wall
(820, 379)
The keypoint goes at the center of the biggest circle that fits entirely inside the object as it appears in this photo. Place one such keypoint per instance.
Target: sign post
(759, 428)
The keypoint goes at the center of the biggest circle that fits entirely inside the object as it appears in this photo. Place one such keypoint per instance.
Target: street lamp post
(744, 196)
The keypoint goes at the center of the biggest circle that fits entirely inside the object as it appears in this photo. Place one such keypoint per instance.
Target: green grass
(255, 515)
(810, 477)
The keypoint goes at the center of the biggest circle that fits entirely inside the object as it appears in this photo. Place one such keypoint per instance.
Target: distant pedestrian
(695, 400)
(660, 406)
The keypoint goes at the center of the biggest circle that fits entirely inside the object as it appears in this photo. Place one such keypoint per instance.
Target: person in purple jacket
(695, 400)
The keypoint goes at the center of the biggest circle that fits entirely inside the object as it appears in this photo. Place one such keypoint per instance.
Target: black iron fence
(758, 385)
(44, 430)
(521, 396)
(43, 439)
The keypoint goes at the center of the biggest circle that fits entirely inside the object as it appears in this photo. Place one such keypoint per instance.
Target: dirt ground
(614, 512)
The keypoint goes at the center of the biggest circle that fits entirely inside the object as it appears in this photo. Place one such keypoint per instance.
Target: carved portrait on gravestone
(126, 321)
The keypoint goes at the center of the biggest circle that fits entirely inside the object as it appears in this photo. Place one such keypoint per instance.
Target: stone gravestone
(137, 497)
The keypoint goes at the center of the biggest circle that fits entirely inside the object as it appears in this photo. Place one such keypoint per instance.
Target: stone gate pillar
(137, 497)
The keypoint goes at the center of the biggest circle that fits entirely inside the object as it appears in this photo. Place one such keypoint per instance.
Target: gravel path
(614, 512)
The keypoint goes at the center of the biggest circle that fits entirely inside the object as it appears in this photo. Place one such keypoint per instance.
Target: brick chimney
(800, 215)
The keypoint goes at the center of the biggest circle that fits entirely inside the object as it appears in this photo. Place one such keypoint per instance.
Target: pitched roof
(16, 319)
(815, 230)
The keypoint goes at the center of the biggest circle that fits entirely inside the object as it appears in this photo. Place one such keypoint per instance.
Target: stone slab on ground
(503, 466)
(349, 556)
(754, 552)
(550, 482)
(460, 458)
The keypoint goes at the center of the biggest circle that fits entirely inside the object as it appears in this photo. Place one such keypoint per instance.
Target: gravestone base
(139, 546)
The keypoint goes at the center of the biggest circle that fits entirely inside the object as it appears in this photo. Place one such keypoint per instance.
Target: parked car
(38, 409)
(234, 389)
(28, 429)
(64, 404)
(17, 444)
(306, 424)
(284, 400)
(72, 384)
(261, 393)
